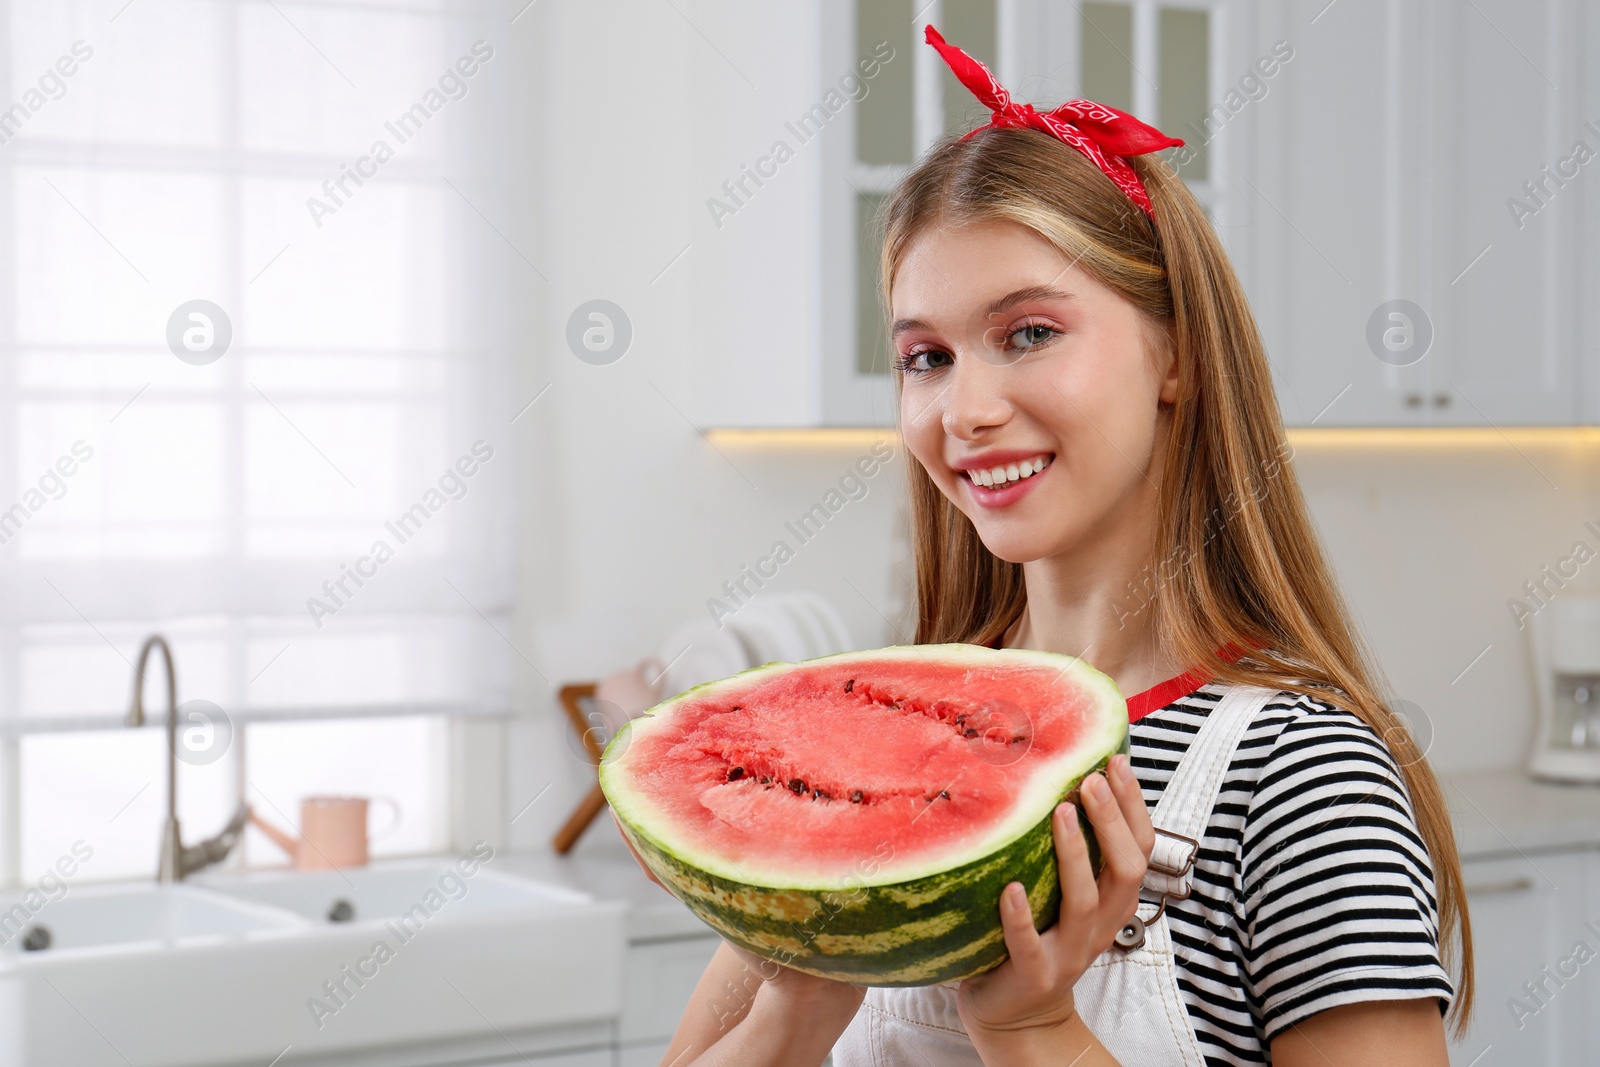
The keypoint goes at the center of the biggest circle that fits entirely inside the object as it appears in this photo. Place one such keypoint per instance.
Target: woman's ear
(1167, 366)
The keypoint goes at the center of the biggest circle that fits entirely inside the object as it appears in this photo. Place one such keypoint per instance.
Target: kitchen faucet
(178, 859)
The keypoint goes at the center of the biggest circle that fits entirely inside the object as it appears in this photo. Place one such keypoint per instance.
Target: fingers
(1079, 894)
(1118, 849)
(1130, 798)
(1022, 940)
(1124, 859)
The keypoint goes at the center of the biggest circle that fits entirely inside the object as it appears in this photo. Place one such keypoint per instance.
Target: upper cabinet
(1398, 184)
(1417, 228)
(1509, 145)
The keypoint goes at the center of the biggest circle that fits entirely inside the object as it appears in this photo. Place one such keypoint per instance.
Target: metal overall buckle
(1131, 936)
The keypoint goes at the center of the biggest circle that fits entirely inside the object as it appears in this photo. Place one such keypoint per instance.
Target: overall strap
(1184, 810)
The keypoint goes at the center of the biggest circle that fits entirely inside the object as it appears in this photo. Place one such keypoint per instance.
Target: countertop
(602, 866)
(1505, 812)
(1496, 813)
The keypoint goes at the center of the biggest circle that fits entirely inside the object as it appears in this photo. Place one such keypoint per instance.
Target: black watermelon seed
(735, 773)
(851, 684)
(856, 797)
(961, 720)
(969, 732)
(1018, 740)
(766, 779)
(796, 785)
(821, 794)
(944, 794)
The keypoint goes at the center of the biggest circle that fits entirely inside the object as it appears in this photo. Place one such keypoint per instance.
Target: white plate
(755, 631)
(700, 652)
(835, 632)
(773, 633)
(797, 608)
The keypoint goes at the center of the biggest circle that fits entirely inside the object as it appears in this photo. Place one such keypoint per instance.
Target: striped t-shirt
(1312, 887)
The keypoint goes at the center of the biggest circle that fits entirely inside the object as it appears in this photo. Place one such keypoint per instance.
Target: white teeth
(1000, 477)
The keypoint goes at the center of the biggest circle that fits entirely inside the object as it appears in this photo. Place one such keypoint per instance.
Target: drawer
(649, 1055)
(658, 977)
(599, 1057)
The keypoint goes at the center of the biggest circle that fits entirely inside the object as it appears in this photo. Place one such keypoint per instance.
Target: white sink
(100, 916)
(393, 891)
(238, 968)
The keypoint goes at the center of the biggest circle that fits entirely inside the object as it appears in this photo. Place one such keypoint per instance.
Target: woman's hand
(1032, 991)
(806, 996)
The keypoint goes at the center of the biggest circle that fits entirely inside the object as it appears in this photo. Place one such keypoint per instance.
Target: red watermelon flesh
(844, 757)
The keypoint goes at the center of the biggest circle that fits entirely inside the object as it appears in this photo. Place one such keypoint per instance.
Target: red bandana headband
(1099, 131)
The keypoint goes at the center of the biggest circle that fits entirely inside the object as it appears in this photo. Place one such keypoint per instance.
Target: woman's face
(1012, 358)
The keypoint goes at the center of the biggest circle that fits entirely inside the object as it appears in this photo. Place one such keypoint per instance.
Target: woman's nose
(975, 398)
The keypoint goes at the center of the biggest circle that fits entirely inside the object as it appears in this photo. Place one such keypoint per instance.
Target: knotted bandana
(1099, 131)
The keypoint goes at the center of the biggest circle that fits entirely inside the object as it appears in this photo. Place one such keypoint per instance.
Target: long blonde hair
(1240, 563)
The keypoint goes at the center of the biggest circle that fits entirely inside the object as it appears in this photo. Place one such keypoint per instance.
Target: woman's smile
(999, 479)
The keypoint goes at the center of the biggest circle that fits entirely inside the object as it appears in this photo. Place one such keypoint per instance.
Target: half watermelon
(856, 816)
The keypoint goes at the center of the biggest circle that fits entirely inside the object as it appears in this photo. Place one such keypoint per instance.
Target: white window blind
(320, 518)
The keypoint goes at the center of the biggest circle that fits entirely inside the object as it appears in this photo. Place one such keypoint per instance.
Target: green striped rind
(922, 932)
(867, 926)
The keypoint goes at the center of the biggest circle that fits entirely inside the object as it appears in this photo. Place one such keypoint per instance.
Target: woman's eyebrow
(995, 307)
(1023, 295)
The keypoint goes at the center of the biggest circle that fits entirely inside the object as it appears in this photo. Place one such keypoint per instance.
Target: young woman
(1099, 471)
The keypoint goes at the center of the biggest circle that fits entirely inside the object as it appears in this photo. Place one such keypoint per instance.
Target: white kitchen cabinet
(652, 1055)
(657, 981)
(1334, 216)
(1530, 916)
(649, 1055)
(599, 1057)
(1380, 163)
(783, 257)
(1386, 171)
(1508, 336)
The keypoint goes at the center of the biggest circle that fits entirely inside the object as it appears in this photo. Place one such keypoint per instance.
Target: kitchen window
(318, 518)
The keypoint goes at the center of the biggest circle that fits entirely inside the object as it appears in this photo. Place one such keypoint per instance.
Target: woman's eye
(912, 362)
(1032, 335)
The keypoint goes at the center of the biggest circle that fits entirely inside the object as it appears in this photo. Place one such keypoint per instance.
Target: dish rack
(594, 802)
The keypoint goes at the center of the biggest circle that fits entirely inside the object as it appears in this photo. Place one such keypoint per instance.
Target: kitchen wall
(631, 519)
(1431, 535)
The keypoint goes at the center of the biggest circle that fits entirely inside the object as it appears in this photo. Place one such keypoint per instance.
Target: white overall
(1129, 997)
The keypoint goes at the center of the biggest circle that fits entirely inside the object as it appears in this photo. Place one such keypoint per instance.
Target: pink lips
(1003, 498)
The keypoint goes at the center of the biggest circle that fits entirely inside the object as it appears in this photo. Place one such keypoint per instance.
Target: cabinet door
(660, 976)
(1507, 273)
(1529, 927)
(599, 1057)
(649, 1055)
(1401, 283)
(1337, 214)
